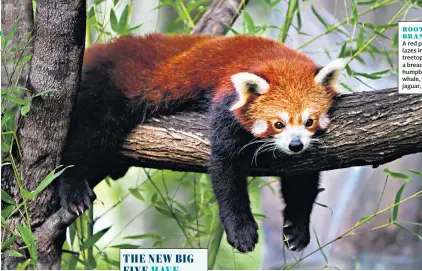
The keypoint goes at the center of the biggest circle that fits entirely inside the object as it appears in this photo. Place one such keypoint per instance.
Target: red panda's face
(289, 106)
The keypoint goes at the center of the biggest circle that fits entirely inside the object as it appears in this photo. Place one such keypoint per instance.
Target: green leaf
(157, 244)
(14, 253)
(22, 266)
(114, 23)
(355, 15)
(137, 194)
(126, 246)
(9, 117)
(25, 109)
(387, 56)
(29, 241)
(125, 17)
(5, 213)
(144, 236)
(408, 231)
(249, 22)
(397, 199)
(180, 205)
(91, 13)
(395, 40)
(259, 216)
(15, 99)
(346, 87)
(275, 3)
(97, 2)
(364, 219)
(71, 265)
(367, 3)
(154, 198)
(25, 193)
(324, 206)
(47, 180)
(112, 262)
(115, 2)
(25, 59)
(360, 40)
(9, 35)
(419, 173)
(396, 175)
(6, 244)
(44, 92)
(319, 17)
(373, 76)
(6, 197)
(165, 210)
(72, 234)
(349, 70)
(26, 234)
(134, 28)
(93, 239)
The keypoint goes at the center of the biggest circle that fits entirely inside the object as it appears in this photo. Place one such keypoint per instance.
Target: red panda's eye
(279, 125)
(309, 122)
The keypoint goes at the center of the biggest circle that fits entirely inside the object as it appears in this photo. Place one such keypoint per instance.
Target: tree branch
(368, 128)
(219, 17)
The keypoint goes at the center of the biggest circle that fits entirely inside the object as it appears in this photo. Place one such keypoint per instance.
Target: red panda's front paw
(296, 235)
(243, 236)
(75, 197)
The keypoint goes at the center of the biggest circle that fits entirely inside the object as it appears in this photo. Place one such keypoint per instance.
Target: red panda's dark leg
(101, 120)
(299, 193)
(229, 171)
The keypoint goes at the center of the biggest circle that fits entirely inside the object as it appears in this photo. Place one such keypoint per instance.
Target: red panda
(260, 95)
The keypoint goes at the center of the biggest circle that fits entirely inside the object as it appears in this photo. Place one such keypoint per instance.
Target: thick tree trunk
(56, 65)
(368, 128)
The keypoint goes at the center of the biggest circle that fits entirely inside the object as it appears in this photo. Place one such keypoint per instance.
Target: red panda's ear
(247, 84)
(329, 74)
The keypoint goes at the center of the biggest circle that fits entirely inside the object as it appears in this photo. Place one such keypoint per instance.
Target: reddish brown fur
(181, 67)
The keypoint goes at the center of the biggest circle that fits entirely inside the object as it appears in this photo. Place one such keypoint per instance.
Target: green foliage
(103, 21)
(187, 14)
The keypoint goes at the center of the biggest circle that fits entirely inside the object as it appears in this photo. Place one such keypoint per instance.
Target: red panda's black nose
(296, 145)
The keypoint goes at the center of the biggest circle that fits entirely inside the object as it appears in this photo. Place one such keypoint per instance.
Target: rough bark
(368, 128)
(219, 17)
(56, 65)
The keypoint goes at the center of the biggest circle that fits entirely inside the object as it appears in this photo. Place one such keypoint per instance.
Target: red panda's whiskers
(257, 151)
(253, 141)
(274, 149)
(269, 145)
